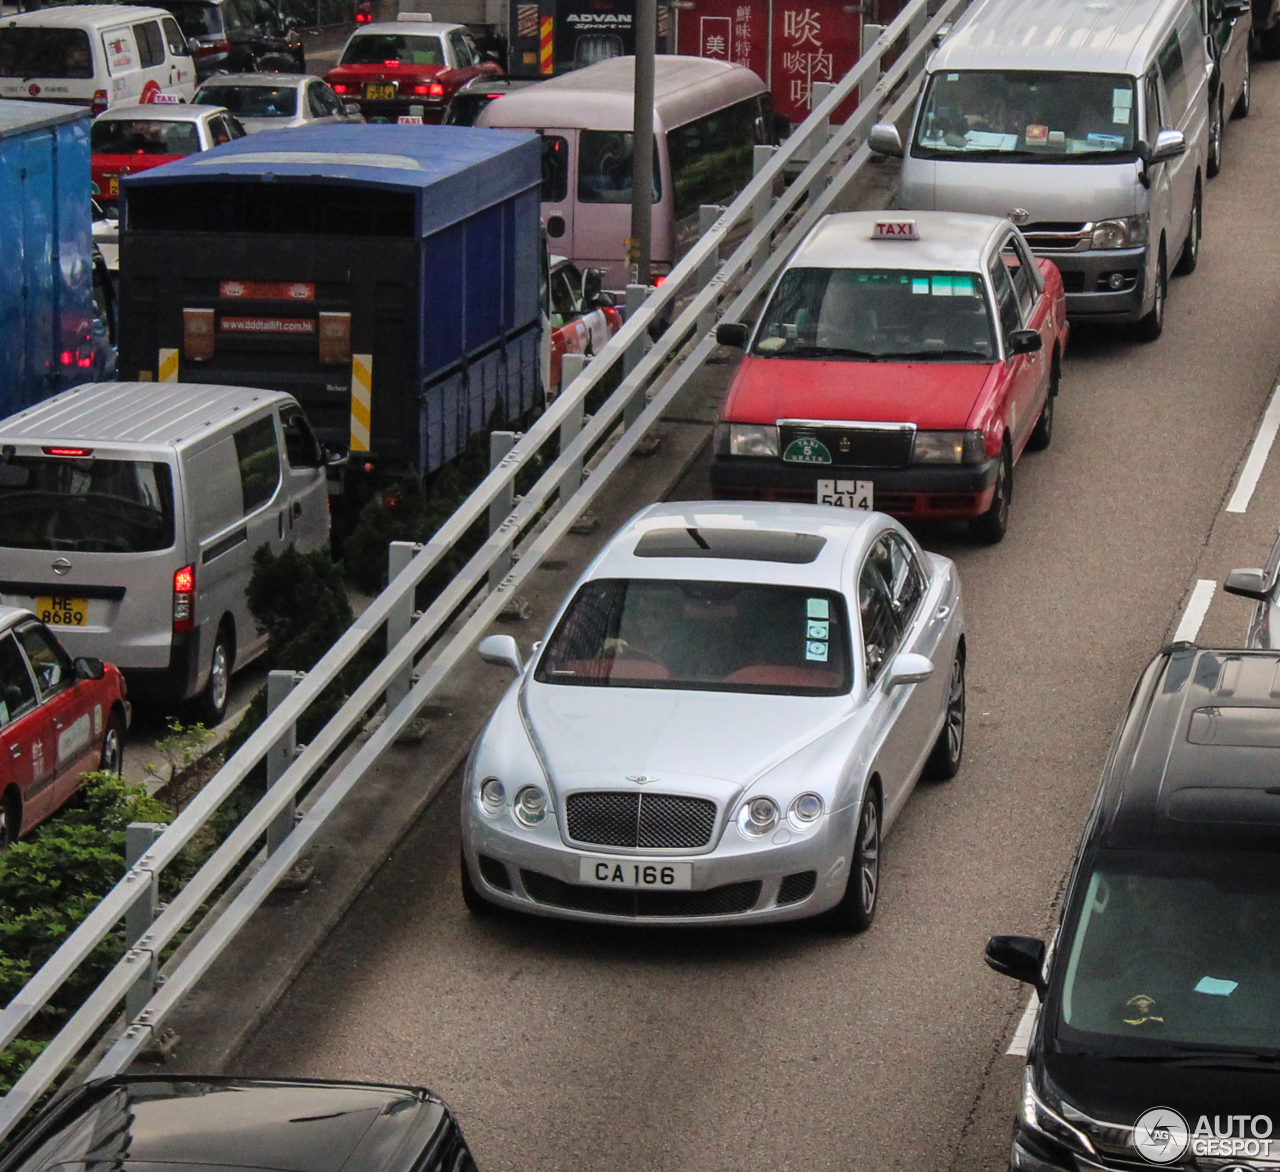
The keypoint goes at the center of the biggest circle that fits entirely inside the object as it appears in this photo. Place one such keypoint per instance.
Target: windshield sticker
(821, 629)
(1120, 115)
(962, 286)
(806, 449)
(1141, 1006)
(941, 286)
(1057, 136)
(1037, 132)
(1109, 142)
(985, 140)
(1217, 988)
(816, 652)
(1122, 98)
(920, 285)
(817, 608)
(768, 345)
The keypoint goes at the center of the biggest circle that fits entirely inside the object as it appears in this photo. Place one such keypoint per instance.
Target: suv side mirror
(1247, 584)
(884, 139)
(1019, 957)
(1024, 342)
(732, 333)
(1169, 144)
(88, 668)
(908, 668)
(501, 650)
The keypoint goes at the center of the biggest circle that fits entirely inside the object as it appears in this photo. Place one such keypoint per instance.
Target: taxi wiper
(898, 355)
(827, 352)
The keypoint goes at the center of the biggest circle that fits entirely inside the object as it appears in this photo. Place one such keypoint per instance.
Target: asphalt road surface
(570, 1047)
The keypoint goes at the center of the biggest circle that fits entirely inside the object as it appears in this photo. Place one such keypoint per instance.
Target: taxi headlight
(1128, 232)
(758, 816)
(805, 811)
(530, 806)
(949, 447)
(746, 439)
(493, 794)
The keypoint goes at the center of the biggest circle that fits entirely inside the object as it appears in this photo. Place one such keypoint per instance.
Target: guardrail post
(500, 443)
(138, 837)
(708, 214)
(571, 481)
(760, 156)
(399, 555)
(637, 295)
(281, 755)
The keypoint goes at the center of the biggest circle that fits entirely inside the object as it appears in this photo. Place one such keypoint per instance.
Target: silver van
(1087, 125)
(130, 514)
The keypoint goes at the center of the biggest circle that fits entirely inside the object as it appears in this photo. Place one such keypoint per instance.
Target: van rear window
(90, 505)
(45, 52)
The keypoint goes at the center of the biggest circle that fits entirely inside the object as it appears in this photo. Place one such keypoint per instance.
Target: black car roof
(1197, 760)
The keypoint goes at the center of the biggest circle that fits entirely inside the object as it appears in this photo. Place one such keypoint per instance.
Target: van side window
(122, 54)
(150, 46)
(300, 444)
(174, 39)
(17, 692)
(555, 168)
(711, 157)
(1155, 118)
(1024, 281)
(1174, 74)
(259, 458)
(1006, 297)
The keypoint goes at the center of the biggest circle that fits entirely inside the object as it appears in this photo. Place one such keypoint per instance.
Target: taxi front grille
(848, 446)
(643, 821)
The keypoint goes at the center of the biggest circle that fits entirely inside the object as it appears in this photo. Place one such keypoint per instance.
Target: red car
(583, 317)
(128, 139)
(59, 718)
(390, 67)
(902, 364)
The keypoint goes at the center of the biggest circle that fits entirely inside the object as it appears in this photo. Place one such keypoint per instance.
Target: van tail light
(335, 338)
(209, 48)
(197, 335)
(99, 103)
(184, 598)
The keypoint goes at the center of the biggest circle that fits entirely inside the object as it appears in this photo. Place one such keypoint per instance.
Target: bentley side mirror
(908, 668)
(732, 333)
(884, 139)
(88, 668)
(1247, 584)
(501, 650)
(1024, 342)
(1019, 957)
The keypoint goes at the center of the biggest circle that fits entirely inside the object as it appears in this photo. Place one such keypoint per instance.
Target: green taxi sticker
(807, 450)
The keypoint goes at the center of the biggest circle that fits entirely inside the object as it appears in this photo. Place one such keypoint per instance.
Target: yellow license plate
(113, 187)
(380, 93)
(60, 611)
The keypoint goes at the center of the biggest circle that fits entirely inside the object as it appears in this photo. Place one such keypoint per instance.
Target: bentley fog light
(758, 817)
(493, 795)
(530, 806)
(805, 811)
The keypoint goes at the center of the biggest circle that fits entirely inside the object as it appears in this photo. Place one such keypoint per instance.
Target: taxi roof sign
(895, 230)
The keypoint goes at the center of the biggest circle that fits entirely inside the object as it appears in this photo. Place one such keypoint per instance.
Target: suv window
(17, 692)
(880, 630)
(174, 39)
(259, 458)
(300, 444)
(49, 663)
(150, 44)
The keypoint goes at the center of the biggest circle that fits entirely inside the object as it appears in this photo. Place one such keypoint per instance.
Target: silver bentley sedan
(727, 715)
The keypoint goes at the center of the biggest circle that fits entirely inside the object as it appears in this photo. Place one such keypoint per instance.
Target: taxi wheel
(476, 903)
(1042, 434)
(1191, 246)
(112, 760)
(944, 761)
(1152, 326)
(1245, 100)
(10, 822)
(857, 907)
(1213, 164)
(994, 523)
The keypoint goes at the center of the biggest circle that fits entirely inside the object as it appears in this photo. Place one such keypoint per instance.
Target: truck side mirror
(885, 140)
(1019, 957)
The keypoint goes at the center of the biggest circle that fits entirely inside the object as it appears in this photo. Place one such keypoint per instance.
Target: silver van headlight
(1126, 232)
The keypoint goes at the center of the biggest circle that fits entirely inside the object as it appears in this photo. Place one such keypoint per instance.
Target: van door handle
(941, 613)
(280, 523)
(295, 510)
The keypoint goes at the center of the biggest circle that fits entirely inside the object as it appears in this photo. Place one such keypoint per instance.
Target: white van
(1084, 123)
(130, 514)
(95, 55)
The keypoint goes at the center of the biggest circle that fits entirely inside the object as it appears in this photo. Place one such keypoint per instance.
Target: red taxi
(59, 718)
(389, 68)
(901, 364)
(128, 139)
(583, 316)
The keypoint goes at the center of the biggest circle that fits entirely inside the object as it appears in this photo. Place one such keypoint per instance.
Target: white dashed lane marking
(1258, 454)
(1197, 608)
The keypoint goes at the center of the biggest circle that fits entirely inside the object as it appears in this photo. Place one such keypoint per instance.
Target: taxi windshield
(393, 49)
(1180, 950)
(1018, 115)
(877, 315)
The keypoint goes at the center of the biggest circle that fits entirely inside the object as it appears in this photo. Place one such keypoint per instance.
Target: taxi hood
(929, 394)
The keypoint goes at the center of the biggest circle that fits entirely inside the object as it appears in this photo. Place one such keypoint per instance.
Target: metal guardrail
(651, 380)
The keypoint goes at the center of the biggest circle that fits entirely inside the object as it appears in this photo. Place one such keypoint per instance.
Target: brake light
(431, 89)
(338, 87)
(184, 598)
(76, 453)
(67, 357)
(99, 103)
(658, 282)
(364, 17)
(391, 61)
(210, 48)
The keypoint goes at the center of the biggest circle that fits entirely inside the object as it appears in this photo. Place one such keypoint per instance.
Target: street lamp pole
(646, 29)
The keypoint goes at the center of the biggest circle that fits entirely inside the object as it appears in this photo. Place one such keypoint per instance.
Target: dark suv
(1158, 1042)
(238, 36)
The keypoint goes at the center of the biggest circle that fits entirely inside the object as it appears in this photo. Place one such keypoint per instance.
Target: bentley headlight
(949, 447)
(493, 794)
(805, 811)
(530, 806)
(758, 816)
(746, 439)
(1128, 232)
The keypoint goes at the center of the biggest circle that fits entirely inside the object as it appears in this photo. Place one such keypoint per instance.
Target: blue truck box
(387, 276)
